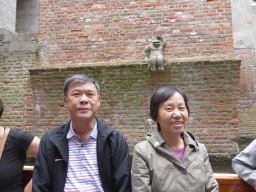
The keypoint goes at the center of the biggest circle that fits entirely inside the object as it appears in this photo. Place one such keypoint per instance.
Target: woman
(171, 159)
(17, 145)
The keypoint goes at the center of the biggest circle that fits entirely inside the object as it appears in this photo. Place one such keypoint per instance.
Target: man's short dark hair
(80, 78)
(1, 108)
(162, 95)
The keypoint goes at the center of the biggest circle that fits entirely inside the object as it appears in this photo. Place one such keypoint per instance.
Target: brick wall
(15, 90)
(15, 85)
(8, 14)
(92, 36)
(211, 84)
(91, 31)
(247, 97)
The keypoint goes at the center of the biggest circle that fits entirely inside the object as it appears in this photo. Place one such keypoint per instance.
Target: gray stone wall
(27, 16)
(244, 30)
(8, 14)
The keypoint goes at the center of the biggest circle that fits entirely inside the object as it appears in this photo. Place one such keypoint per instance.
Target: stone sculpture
(154, 53)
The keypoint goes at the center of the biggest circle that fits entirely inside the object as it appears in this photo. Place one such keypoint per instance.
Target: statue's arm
(147, 52)
(163, 42)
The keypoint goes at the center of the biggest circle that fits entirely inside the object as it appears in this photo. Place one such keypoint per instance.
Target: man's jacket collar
(58, 137)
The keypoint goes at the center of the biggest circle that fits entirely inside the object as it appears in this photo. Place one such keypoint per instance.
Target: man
(244, 164)
(84, 154)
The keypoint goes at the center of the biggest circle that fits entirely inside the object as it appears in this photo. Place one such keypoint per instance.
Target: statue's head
(156, 42)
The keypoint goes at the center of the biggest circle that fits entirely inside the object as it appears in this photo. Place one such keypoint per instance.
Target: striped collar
(72, 133)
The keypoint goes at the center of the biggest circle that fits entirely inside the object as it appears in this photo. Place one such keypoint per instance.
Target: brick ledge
(111, 63)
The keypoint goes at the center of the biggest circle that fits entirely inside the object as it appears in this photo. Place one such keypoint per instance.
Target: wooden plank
(28, 168)
(232, 183)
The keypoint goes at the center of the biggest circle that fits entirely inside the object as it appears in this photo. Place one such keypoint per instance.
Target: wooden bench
(232, 183)
(227, 182)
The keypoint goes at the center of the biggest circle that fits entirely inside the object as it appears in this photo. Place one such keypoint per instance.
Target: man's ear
(99, 100)
(157, 120)
(65, 100)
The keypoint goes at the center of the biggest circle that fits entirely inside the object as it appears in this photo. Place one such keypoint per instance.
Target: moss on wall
(126, 91)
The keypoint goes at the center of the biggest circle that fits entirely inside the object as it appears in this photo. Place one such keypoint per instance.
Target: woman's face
(172, 115)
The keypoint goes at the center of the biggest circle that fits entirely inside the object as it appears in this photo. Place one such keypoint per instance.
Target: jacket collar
(156, 139)
(190, 140)
(192, 149)
(191, 152)
(103, 129)
(59, 139)
(62, 132)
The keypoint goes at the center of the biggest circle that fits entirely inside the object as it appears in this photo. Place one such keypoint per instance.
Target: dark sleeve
(23, 139)
(41, 174)
(122, 165)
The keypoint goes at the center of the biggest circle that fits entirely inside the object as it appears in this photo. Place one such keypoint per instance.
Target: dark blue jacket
(114, 164)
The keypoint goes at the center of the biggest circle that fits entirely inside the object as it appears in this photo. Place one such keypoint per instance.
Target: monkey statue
(154, 53)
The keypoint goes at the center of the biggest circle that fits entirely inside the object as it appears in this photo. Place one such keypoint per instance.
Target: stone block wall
(244, 29)
(8, 14)
(27, 20)
(247, 97)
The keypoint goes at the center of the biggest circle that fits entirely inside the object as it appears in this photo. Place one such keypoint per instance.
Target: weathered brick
(81, 33)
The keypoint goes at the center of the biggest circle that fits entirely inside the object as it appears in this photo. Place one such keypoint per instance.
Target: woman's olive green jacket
(156, 168)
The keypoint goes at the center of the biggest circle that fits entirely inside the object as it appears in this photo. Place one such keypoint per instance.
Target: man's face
(82, 101)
